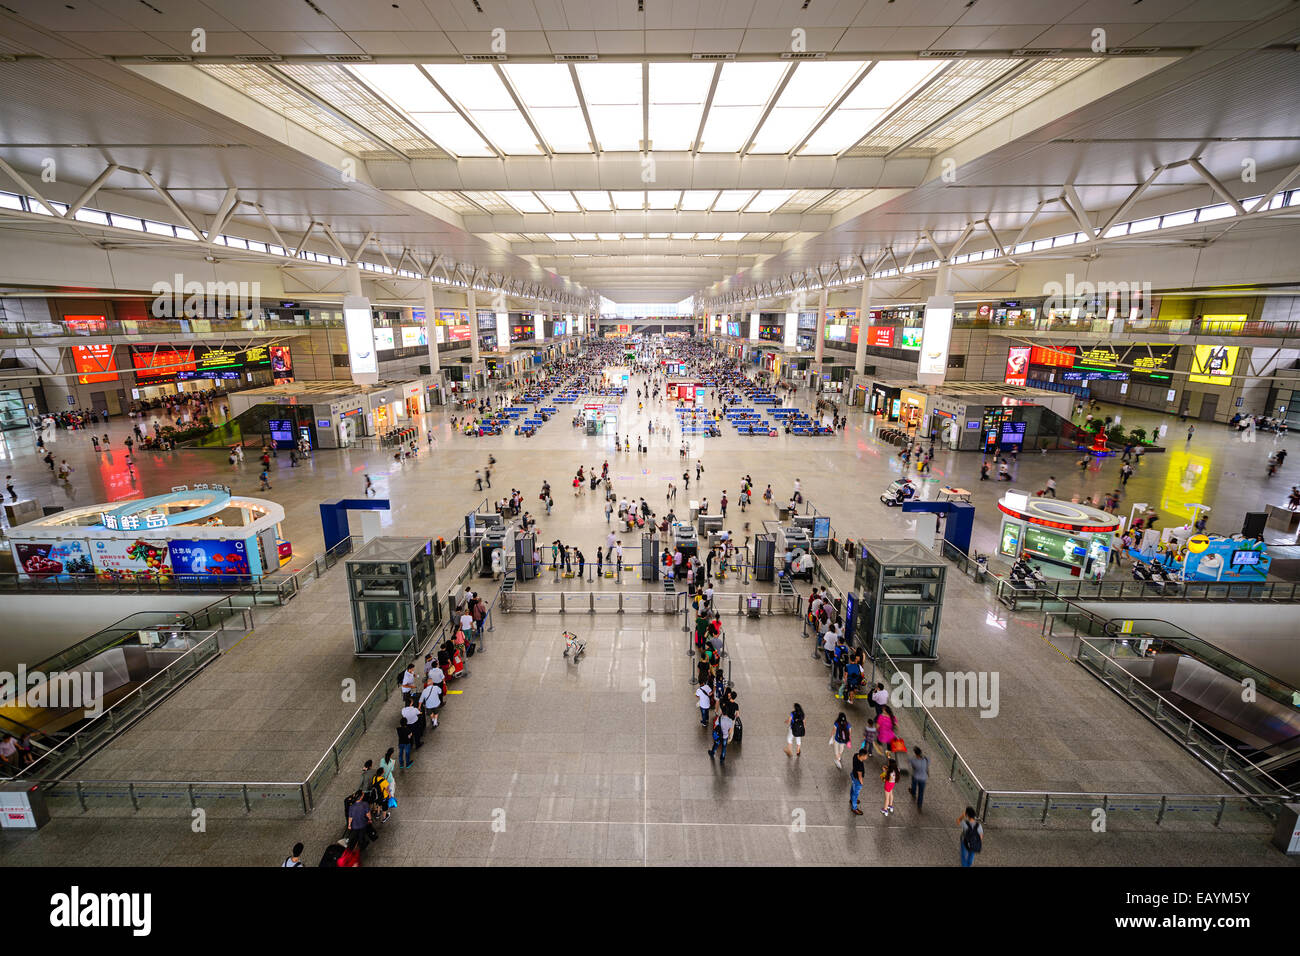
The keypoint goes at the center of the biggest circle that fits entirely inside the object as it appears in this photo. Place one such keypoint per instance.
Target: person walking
(609, 511)
(1191, 430)
(972, 836)
(858, 777)
(890, 776)
(1051, 486)
(13, 495)
(795, 734)
(294, 859)
(370, 486)
(920, 776)
(841, 733)
(386, 767)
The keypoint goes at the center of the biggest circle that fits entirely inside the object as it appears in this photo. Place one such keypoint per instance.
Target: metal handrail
(189, 657)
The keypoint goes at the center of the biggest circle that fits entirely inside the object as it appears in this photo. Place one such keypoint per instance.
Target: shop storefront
(912, 408)
(1070, 540)
(200, 534)
(884, 401)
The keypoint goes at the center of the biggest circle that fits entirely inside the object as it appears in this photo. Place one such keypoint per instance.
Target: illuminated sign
(1214, 364)
(458, 333)
(1017, 364)
(384, 339)
(95, 361)
(86, 324)
(910, 337)
(413, 336)
(881, 335)
(1101, 356)
(163, 363)
(1060, 357)
(936, 332)
(1222, 323)
(359, 325)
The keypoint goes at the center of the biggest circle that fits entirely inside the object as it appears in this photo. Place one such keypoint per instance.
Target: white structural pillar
(354, 278)
(431, 328)
(819, 344)
(864, 320)
(473, 324)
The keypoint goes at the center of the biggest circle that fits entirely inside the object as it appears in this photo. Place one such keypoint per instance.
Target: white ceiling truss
(1096, 229)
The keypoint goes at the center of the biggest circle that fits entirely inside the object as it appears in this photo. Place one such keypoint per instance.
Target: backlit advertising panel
(414, 335)
(360, 327)
(52, 560)
(138, 560)
(384, 339)
(936, 332)
(1061, 356)
(1214, 364)
(909, 337)
(162, 364)
(881, 335)
(95, 361)
(208, 560)
(1017, 364)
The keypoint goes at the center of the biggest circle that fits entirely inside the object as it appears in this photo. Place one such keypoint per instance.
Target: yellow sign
(1198, 543)
(1127, 628)
(1230, 324)
(1214, 364)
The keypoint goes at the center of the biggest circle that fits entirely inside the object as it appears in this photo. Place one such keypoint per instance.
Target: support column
(473, 324)
(819, 345)
(354, 278)
(864, 318)
(431, 328)
(941, 279)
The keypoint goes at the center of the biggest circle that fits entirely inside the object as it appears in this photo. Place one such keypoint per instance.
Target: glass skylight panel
(663, 198)
(560, 236)
(658, 235)
(743, 90)
(841, 130)
(411, 91)
(547, 91)
(594, 200)
(634, 235)
(769, 199)
(479, 91)
(677, 95)
(1220, 211)
(732, 236)
(681, 235)
(813, 88)
(628, 200)
(489, 201)
(707, 235)
(698, 199)
(606, 236)
(524, 201)
(561, 201)
(586, 236)
(732, 200)
(87, 215)
(613, 94)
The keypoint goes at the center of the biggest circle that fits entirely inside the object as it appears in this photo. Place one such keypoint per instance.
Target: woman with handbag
(794, 736)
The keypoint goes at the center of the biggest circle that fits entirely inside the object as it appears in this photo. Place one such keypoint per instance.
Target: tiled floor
(588, 761)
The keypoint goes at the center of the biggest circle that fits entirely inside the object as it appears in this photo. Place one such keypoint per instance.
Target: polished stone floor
(589, 762)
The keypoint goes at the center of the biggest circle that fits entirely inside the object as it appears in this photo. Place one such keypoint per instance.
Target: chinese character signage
(96, 361)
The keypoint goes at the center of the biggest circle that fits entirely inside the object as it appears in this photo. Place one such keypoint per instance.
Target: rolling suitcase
(737, 733)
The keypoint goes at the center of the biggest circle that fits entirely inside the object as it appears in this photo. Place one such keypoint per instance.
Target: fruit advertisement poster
(47, 560)
(138, 560)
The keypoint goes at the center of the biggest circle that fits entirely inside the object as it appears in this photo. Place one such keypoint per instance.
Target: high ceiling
(644, 150)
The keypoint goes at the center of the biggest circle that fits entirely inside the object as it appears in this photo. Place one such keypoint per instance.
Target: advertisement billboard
(52, 560)
(138, 560)
(384, 339)
(281, 361)
(209, 560)
(413, 335)
(360, 328)
(1017, 364)
(909, 337)
(94, 361)
(881, 335)
(1214, 364)
(936, 332)
(458, 333)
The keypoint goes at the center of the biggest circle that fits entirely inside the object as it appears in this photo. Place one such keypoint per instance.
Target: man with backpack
(972, 836)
